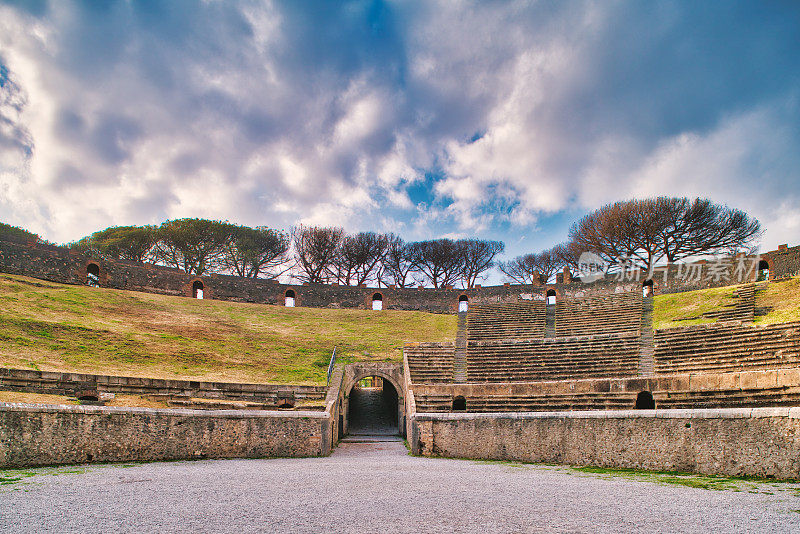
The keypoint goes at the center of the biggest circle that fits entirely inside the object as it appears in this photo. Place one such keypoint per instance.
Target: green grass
(57, 327)
(693, 480)
(776, 302)
(684, 309)
(779, 302)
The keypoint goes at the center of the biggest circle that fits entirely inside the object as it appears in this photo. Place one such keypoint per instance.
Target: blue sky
(505, 120)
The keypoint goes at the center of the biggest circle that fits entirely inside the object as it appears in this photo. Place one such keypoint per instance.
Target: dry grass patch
(58, 327)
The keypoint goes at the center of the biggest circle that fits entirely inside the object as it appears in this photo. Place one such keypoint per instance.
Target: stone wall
(35, 435)
(70, 384)
(773, 387)
(762, 442)
(59, 264)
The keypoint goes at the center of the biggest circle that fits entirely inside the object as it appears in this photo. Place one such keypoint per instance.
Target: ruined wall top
(63, 265)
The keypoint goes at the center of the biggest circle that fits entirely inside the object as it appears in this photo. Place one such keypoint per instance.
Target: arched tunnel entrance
(372, 408)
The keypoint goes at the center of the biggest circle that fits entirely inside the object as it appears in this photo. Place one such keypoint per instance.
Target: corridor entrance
(372, 408)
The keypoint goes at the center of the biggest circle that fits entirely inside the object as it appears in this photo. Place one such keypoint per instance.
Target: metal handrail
(330, 367)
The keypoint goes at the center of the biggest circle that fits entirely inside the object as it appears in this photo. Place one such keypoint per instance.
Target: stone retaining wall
(62, 265)
(69, 384)
(762, 442)
(741, 380)
(36, 435)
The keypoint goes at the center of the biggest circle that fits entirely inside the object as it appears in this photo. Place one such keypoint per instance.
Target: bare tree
(567, 255)
(477, 258)
(696, 227)
(252, 252)
(398, 262)
(439, 261)
(315, 248)
(534, 268)
(643, 231)
(358, 257)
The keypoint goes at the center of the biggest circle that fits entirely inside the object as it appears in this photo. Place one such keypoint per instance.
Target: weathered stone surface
(754, 442)
(32, 435)
(69, 384)
(62, 265)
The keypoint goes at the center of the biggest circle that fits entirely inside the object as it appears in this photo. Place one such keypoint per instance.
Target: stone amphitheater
(550, 376)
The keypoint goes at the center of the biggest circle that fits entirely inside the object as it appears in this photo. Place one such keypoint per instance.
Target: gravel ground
(376, 487)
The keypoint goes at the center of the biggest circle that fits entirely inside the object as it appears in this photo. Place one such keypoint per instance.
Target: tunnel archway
(647, 288)
(763, 271)
(197, 289)
(93, 275)
(645, 401)
(372, 407)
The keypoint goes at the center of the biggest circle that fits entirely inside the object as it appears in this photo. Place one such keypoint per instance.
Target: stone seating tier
(615, 355)
(430, 362)
(727, 347)
(506, 321)
(530, 403)
(741, 389)
(607, 314)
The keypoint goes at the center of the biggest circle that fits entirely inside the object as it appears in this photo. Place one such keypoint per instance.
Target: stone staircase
(743, 308)
(460, 356)
(647, 347)
(550, 322)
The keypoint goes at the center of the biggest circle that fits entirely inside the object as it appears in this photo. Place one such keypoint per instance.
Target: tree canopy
(643, 232)
(16, 234)
(638, 233)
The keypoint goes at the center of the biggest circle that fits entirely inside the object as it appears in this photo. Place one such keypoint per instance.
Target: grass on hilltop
(776, 302)
(49, 326)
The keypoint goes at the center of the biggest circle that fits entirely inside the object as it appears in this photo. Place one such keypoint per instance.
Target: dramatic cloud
(505, 120)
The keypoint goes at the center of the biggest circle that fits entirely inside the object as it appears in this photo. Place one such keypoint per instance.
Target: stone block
(788, 377)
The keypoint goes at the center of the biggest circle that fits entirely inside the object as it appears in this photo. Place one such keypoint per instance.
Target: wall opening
(459, 404)
(550, 313)
(763, 271)
(285, 405)
(645, 401)
(197, 289)
(377, 301)
(288, 300)
(93, 275)
(463, 304)
(373, 408)
(647, 288)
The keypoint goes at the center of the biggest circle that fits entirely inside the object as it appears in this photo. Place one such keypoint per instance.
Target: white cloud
(263, 115)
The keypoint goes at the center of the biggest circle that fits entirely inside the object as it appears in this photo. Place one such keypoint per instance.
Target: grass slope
(57, 327)
(776, 302)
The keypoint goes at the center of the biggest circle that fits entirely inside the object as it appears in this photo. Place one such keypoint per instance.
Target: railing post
(330, 367)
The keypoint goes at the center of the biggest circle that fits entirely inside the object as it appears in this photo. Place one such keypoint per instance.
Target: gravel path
(376, 487)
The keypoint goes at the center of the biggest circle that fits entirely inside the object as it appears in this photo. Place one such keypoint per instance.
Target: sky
(499, 120)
